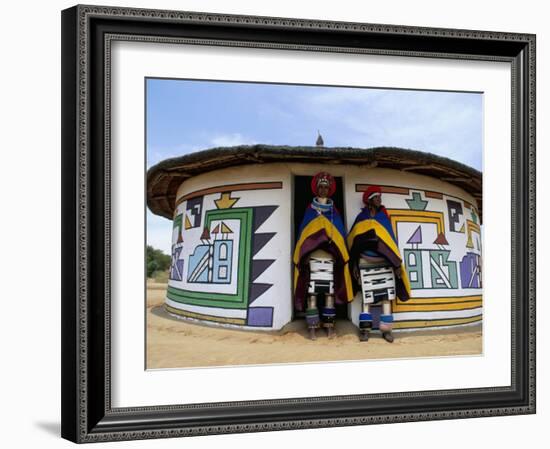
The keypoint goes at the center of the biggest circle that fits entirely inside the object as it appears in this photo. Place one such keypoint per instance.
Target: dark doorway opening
(302, 198)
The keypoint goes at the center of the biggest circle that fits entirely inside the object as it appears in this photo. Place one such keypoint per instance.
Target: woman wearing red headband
(377, 264)
(321, 258)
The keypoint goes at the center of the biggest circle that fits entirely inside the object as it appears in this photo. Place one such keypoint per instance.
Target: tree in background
(156, 261)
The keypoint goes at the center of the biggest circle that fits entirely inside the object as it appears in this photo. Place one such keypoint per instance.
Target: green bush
(156, 261)
(161, 276)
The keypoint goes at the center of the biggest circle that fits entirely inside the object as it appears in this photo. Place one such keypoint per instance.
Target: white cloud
(447, 124)
(228, 140)
(157, 154)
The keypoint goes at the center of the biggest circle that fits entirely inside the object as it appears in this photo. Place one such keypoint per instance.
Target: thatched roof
(164, 178)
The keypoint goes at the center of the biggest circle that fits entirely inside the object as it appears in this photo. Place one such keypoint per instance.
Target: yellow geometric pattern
(471, 226)
(438, 304)
(188, 224)
(436, 307)
(442, 299)
(201, 316)
(435, 323)
(225, 229)
(225, 201)
(417, 216)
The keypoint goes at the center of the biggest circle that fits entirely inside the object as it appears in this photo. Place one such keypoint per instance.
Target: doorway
(302, 198)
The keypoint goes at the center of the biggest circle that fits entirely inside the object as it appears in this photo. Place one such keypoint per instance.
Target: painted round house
(236, 213)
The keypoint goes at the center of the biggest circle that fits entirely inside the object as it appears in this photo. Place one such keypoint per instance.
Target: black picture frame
(87, 414)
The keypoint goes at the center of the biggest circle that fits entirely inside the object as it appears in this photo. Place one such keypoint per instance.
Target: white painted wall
(277, 249)
(31, 110)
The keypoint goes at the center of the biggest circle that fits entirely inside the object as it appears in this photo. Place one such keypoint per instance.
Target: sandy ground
(178, 343)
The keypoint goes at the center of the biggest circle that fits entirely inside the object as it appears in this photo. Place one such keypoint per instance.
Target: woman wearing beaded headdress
(376, 264)
(321, 259)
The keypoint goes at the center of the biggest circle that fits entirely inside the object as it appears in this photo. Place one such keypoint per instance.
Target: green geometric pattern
(225, 300)
(415, 268)
(417, 203)
(178, 222)
(438, 261)
(474, 216)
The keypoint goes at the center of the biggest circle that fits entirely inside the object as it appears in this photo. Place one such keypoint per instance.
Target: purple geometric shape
(417, 236)
(176, 272)
(470, 275)
(260, 240)
(260, 316)
(195, 206)
(257, 290)
(259, 266)
(179, 265)
(261, 214)
(455, 212)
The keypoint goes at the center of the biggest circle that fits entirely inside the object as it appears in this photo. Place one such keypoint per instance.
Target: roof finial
(320, 141)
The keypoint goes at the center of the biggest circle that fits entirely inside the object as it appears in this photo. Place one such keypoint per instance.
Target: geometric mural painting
(474, 216)
(260, 317)
(212, 261)
(227, 253)
(177, 227)
(220, 257)
(455, 215)
(193, 212)
(439, 236)
(427, 259)
(473, 240)
(441, 241)
(418, 217)
(224, 256)
(225, 201)
(259, 240)
(416, 202)
(470, 271)
(424, 237)
(414, 267)
(416, 238)
(443, 271)
(176, 267)
(198, 264)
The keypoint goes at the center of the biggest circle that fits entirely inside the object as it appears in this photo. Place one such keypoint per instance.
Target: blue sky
(185, 116)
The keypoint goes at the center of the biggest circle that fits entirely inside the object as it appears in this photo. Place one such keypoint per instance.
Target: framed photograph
(276, 224)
